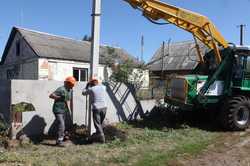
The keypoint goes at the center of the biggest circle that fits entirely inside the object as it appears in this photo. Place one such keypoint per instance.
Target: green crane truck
(221, 82)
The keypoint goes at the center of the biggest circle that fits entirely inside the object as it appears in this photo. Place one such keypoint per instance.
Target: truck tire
(236, 113)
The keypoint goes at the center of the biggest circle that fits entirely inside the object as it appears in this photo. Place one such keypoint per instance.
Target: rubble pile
(112, 132)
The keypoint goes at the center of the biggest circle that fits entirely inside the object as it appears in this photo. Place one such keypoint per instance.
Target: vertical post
(162, 59)
(142, 47)
(95, 46)
(241, 33)
(201, 59)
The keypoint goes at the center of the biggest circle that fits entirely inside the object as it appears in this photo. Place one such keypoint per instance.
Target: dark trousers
(98, 118)
(60, 120)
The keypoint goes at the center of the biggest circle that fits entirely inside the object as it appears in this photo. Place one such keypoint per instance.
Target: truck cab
(224, 88)
(241, 68)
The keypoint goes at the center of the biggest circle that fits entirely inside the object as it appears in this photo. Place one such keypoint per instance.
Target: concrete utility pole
(95, 46)
(242, 26)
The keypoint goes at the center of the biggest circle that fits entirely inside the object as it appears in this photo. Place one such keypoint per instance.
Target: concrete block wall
(122, 105)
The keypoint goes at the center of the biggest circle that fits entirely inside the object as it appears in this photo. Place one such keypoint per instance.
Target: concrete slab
(120, 99)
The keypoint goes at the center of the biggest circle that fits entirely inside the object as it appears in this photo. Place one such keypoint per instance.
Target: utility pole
(241, 26)
(95, 46)
(142, 47)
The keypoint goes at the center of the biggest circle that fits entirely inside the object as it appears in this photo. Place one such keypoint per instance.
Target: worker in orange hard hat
(93, 81)
(62, 97)
(70, 81)
(99, 107)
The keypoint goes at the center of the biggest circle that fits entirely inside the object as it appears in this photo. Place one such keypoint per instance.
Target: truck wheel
(236, 113)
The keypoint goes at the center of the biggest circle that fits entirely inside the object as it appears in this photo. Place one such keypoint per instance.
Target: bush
(3, 125)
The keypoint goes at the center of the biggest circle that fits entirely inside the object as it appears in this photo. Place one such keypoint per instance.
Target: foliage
(129, 73)
(3, 125)
(86, 38)
(112, 57)
(122, 71)
(23, 107)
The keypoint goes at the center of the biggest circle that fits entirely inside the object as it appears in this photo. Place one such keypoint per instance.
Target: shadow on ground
(160, 118)
(79, 136)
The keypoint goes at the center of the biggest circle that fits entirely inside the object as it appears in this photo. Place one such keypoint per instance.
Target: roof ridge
(182, 42)
(50, 34)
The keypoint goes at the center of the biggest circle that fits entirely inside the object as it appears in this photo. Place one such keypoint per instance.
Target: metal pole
(162, 59)
(142, 47)
(95, 46)
(241, 33)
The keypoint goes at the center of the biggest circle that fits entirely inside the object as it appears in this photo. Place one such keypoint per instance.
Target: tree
(86, 38)
(129, 73)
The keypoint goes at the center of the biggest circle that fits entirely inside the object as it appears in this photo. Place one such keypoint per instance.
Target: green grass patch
(143, 146)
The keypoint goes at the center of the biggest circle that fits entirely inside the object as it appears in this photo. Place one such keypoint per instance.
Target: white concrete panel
(121, 103)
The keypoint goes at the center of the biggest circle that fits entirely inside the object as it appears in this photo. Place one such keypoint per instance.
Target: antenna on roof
(163, 55)
(142, 47)
(162, 59)
(241, 26)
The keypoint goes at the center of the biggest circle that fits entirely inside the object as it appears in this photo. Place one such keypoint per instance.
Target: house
(40, 56)
(176, 58)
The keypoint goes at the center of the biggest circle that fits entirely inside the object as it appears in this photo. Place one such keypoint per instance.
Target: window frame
(79, 70)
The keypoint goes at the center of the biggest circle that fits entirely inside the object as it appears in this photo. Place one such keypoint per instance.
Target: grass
(143, 146)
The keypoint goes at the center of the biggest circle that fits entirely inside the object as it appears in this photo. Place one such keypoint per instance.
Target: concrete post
(95, 46)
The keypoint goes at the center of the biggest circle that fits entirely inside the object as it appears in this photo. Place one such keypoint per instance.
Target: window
(247, 68)
(80, 74)
(238, 68)
(18, 49)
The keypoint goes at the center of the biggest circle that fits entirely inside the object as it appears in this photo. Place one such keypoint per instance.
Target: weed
(142, 146)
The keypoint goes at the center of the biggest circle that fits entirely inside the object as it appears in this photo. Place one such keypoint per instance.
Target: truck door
(238, 71)
(246, 73)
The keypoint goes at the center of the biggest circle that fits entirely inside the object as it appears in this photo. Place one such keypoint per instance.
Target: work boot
(60, 143)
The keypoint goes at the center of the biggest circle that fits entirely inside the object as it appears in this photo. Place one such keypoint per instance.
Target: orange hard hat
(94, 80)
(71, 80)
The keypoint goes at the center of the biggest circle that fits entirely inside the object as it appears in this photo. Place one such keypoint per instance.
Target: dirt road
(231, 149)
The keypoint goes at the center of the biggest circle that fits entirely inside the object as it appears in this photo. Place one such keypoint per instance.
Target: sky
(121, 25)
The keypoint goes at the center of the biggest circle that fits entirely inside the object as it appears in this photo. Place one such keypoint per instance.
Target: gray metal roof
(177, 56)
(51, 46)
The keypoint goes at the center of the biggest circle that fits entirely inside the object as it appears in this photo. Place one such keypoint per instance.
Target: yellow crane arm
(200, 26)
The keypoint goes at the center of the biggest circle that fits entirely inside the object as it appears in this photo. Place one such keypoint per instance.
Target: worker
(62, 98)
(97, 96)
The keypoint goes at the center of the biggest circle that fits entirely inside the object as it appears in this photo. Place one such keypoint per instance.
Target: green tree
(111, 57)
(86, 38)
(129, 73)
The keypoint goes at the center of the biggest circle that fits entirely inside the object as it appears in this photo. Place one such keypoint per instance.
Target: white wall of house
(53, 69)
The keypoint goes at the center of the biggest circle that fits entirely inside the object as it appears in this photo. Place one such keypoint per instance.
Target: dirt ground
(231, 149)
(161, 139)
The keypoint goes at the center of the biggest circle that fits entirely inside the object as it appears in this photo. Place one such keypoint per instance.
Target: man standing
(99, 107)
(62, 97)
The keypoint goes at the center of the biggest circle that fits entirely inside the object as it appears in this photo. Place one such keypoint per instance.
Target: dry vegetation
(157, 140)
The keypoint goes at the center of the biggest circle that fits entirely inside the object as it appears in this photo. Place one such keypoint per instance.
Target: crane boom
(200, 26)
